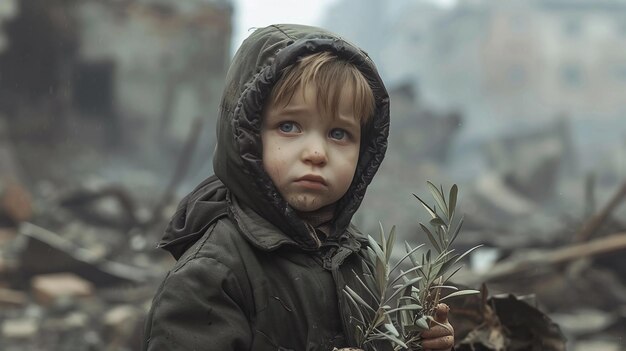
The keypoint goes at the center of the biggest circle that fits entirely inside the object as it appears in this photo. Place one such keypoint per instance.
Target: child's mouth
(313, 182)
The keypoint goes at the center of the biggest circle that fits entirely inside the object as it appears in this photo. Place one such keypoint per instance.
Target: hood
(255, 69)
(195, 213)
(237, 161)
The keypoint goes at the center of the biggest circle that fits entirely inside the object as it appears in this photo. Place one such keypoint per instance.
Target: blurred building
(144, 68)
(551, 57)
(168, 58)
(506, 65)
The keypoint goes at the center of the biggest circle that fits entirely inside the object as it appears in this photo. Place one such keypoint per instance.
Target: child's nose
(315, 153)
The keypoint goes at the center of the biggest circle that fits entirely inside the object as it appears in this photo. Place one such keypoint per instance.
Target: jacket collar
(265, 236)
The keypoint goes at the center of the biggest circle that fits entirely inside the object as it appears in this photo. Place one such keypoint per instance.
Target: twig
(590, 195)
(437, 292)
(615, 242)
(595, 221)
(80, 200)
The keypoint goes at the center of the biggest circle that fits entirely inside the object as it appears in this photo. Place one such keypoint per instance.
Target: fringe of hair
(331, 75)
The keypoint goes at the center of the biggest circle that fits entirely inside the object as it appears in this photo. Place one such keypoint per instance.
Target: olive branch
(413, 293)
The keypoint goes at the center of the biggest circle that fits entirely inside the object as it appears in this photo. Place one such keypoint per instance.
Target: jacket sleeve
(198, 307)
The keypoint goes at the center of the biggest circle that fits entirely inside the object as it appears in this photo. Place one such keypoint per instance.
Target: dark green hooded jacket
(250, 275)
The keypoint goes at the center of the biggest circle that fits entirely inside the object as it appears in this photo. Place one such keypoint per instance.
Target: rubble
(62, 255)
(581, 283)
(101, 110)
(503, 322)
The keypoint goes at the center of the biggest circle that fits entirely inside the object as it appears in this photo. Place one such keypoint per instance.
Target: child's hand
(439, 337)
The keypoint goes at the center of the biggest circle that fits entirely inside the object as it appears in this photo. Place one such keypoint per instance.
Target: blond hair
(328, 74)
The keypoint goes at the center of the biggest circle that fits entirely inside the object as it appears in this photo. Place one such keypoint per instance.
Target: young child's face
(311, 158)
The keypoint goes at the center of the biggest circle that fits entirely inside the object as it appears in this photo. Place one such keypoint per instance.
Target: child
(265, 246)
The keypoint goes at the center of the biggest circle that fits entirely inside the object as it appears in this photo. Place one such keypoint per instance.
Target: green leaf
(460, 293)
(366, 266)
(358, 299)
(412, 329)
(354, 319)
(403, 274)
(374, 245)
(457, 230)
(446, 265)
(421, 270)
(371, 255)
(441, 202)
(409, 252)
(383, 241)
(392, 329)
(444, 287)
(360, 336)
(453, 273)
(443, 242)
(401, 288)
(409, 298)
(412, 255)
(446, 256)
(396, 340)
(356, 305)
(404, 316)
(431, 237)
(437, 222)
(367, 276)
(467, 253)
(452, 200)
(430, 211)
(381, 276)
(442, 192)
(412, 307)
(390, 243)
(379, 319)
(434, 270)
(422, 323)
(367, 288)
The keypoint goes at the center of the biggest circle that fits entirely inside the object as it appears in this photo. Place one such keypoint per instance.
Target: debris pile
(578, 279)
(87, 287)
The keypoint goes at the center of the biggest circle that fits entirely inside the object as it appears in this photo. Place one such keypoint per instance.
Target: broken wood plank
(587, 230)
(615, 242)
(64, 256)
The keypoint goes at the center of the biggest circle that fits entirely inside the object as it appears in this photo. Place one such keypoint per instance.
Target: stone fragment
(121, 317)
(47, 288)
(19, 328)
(9, 297)
(15, 201)
(6, 235)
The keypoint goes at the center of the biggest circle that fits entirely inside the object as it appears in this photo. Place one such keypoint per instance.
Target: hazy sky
(260, 13)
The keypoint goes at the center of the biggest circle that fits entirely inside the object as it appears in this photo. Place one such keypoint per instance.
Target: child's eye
(338, 134)
(288, 127)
